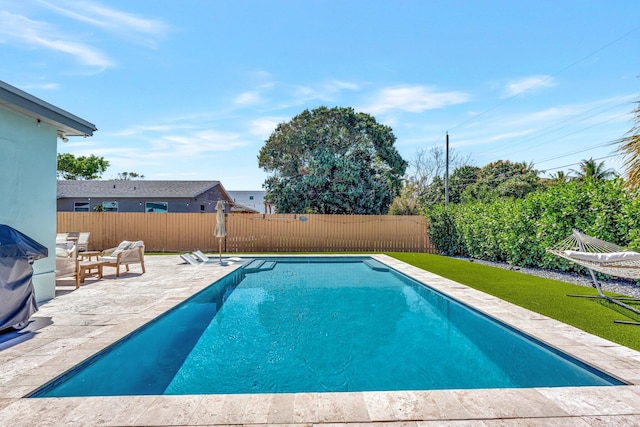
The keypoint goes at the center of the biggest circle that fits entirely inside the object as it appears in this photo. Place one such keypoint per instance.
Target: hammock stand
(604, 257)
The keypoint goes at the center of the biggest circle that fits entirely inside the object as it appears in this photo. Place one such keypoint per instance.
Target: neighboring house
(29, 130)
(250, 202)
(141, 196)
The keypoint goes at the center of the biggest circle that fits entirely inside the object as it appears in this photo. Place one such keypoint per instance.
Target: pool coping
(76, 325)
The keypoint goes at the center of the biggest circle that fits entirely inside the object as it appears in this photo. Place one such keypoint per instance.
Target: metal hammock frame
(628, 268)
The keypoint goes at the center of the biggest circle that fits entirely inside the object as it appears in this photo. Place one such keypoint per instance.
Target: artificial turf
(544, 296)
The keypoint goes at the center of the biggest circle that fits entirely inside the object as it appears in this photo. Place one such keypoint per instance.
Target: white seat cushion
(600, 257)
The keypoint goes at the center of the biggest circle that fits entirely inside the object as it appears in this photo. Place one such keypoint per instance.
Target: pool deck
(78, 323)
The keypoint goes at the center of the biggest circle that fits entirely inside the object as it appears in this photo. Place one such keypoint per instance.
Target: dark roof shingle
(141, 188)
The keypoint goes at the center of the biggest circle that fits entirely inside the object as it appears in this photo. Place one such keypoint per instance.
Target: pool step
(268, 265)
(376, 265)
(253, 266)
(259, 265)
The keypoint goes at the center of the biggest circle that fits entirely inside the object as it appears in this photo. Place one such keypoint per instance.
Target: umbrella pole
(220, 249)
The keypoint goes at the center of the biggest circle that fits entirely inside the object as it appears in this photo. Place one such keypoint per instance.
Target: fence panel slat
(184, 232)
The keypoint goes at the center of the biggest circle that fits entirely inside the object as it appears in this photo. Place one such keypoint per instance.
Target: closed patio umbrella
(220, 230)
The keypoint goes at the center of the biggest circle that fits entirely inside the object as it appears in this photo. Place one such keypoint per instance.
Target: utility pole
(446, 173)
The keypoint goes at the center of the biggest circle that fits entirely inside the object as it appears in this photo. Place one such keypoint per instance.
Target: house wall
(28, 188)
(207, 199)
(250, 199)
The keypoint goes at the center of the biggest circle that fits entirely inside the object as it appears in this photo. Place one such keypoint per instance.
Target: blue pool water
(320, 325)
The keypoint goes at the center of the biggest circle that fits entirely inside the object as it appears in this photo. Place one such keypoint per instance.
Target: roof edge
(27, 104)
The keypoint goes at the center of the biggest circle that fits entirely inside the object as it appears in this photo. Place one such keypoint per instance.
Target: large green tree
(332, 161)
(461, 178)
(73, 168)
(502, 179)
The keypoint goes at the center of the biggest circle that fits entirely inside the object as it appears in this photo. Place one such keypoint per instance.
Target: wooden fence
(182, 232)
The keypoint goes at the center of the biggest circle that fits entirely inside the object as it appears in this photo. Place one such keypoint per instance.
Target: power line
(572, 121)
(574, 164)
(547, 78)
(548, 159)
(540, 82)
(576, 132)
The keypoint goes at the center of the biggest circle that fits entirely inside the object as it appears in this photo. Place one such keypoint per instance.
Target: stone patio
(78, 323)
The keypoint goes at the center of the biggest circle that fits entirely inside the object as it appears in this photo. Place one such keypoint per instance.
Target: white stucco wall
(28, 188)
(250, 199)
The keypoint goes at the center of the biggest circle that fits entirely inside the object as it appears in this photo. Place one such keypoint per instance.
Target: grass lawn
(544, 296)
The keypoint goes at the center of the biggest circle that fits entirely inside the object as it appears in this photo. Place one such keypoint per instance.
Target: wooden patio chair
(67, 263)
(124, 254)
(83, 241)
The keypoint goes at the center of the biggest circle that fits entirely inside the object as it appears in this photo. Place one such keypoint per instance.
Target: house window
(81, 206)
(162, 207)
(110, 206)
(250, 197)
(202, 207)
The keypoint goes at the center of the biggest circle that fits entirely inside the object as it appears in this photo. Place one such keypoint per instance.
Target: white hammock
(598, 255)
(601, 256)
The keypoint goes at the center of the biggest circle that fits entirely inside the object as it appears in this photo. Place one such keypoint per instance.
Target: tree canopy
(332, 161)
(502, 179)
(75, 168)
(591, 169)
(426, 174)
(129, 176)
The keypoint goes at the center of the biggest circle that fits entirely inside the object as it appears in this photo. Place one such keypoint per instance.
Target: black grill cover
(17, 297)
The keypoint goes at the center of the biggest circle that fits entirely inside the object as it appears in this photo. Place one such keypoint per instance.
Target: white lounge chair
(200, 256)
(604, 257)
(190, 259)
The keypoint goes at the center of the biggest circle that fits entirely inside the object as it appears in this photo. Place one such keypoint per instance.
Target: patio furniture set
(73, 259)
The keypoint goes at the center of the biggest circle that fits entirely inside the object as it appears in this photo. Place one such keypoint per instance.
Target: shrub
(519, 231)
(442, 229)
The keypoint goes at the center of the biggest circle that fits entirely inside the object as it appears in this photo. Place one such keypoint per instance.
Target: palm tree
(630, 148)
(590, 169)
(560, 177)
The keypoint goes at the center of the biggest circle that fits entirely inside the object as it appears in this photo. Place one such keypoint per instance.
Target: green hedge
(519, 231)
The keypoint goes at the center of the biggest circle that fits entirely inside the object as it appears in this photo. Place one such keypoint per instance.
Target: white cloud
(525, 84)
(144, 129)
(333, 86)
(130, 26)
(489, 138)
(248, 98)
(303, 94)
(21, 30)
(265, 126)
(201, 142)
(537, 134)
(413, 99)
(41, 86)
(325, 91)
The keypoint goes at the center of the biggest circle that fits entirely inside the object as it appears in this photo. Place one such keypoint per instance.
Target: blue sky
(192, 89)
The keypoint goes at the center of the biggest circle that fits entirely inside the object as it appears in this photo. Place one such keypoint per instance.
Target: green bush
(442, 229)
(519, 231)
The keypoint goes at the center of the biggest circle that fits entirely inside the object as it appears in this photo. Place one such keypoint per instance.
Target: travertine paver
(170, 411)
(337, 407)
(305, 407)
(81, 322)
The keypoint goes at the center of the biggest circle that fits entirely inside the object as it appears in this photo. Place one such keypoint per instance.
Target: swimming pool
(357, 325)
